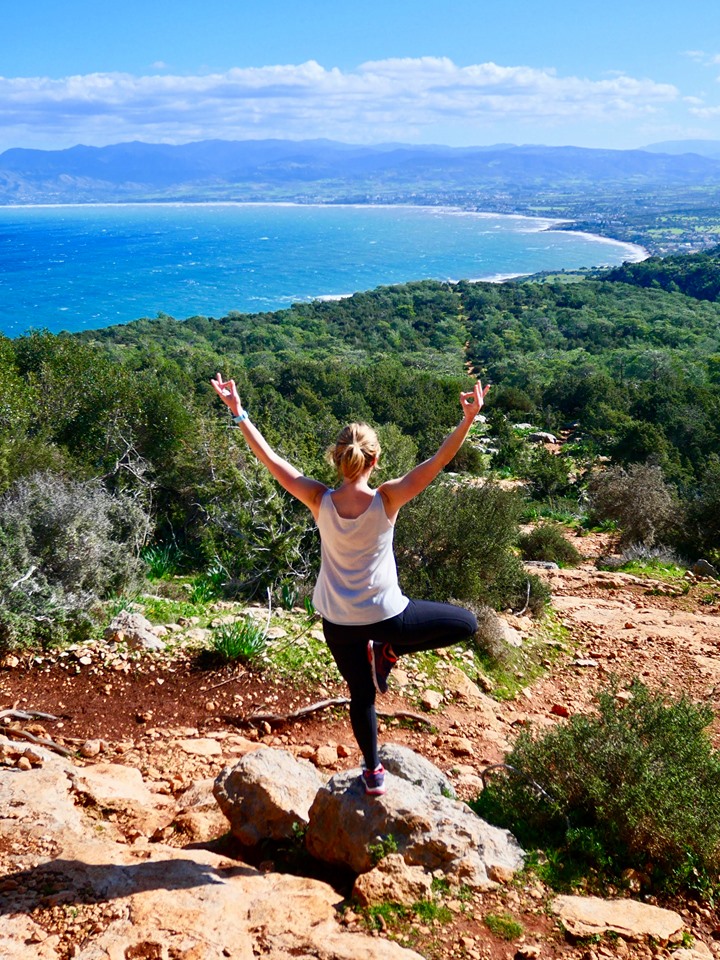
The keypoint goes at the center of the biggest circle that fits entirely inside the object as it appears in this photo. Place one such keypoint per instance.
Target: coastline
(637, 252)
(136, 307)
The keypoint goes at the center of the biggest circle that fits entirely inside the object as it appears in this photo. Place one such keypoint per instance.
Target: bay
(83, 267)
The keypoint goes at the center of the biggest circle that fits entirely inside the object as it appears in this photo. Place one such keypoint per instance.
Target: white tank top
(358, 581)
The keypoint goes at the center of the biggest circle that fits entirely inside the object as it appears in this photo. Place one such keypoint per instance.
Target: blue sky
(461, 72)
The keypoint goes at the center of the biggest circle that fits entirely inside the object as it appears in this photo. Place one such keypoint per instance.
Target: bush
(701, 533)
(638, 499)
(635, 785)
(64, 545)
(456, 542)
(547, 542)
(547, 474)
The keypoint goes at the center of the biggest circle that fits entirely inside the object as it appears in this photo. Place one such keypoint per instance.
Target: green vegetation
(634, 786)
(240, 642)
(503, 925)
(626, 374)
(547, 542)
(385, 845)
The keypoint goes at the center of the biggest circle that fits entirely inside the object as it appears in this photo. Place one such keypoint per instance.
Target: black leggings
(423, 625)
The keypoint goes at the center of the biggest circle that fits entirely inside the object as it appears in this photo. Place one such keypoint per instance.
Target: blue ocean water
(84, 267)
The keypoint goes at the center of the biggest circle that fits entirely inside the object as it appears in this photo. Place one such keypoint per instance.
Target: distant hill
(329, 171)
(703, 148)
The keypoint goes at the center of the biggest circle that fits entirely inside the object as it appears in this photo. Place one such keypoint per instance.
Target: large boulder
(428, 830)
(410, 766)
(267, 795)
(631, 919)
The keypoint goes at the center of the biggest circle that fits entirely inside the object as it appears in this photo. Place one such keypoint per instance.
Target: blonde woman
(367, 621)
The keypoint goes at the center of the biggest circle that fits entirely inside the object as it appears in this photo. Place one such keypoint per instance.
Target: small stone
(326, 756)
(559, 710)
(90, 749)
(23, 763)
(431, 700)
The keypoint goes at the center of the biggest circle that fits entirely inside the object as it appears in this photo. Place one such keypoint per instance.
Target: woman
(367, 621)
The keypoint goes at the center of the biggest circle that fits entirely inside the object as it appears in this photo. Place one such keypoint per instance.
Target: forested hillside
(627, 371)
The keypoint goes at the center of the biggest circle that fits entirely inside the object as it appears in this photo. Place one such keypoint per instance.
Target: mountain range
(328, 170)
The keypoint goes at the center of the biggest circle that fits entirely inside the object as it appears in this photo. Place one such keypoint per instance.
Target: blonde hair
(354, 451)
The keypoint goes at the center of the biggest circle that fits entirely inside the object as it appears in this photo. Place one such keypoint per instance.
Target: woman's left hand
(472, 401)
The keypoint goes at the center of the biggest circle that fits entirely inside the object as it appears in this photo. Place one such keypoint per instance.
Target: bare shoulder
(387, 493)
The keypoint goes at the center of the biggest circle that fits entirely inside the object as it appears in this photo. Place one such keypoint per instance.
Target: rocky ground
(179, 722)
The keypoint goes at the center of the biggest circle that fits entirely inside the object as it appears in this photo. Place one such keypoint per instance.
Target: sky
(614, 74)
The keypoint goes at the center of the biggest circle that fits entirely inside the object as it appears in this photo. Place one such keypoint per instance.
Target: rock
(410, 766)
(431, 700)
(134, 630)
(541, 436)
(91, 748)
(540, 565)
(199, 795)
(701, 568)
(431, 831)
(698, 951)
(151, 900)
(326, 756)
(590, 916)
(266, 794)
(459, 685)
(560, 710)
(201, 747)
(392, 881)
(510, 635)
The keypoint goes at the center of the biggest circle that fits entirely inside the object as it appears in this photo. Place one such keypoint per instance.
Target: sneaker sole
(371, 660)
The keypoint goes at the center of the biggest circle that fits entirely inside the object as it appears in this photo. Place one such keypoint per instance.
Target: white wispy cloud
(395, 98)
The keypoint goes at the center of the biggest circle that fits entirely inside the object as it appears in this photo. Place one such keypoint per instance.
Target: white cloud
(388, 99)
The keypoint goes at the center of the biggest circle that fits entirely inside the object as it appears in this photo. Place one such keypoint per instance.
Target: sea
(83, 267)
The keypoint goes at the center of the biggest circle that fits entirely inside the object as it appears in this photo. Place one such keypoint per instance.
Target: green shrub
(636, 784)
(547, 474)
(638, 499)
(64, 545)
(456, 542)
(547, 542)
(161, 560)
(240, 642)
(701, 533)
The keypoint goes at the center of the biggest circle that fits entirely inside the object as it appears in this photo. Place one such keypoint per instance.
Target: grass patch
(160, 610)
(503, 925)
(657, 569)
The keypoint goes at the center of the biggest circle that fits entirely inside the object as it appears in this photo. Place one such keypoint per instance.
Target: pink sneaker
(374, 781)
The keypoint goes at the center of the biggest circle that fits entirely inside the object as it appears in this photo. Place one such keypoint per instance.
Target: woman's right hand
(472, 401)
(227, 391)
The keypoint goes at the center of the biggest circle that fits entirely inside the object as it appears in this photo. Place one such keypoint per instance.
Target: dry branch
(16, 714)
(280, 718)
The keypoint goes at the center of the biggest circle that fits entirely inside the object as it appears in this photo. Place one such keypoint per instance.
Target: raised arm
(396, 493)
(303, 488)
